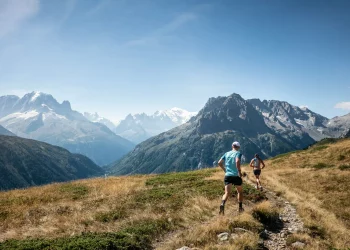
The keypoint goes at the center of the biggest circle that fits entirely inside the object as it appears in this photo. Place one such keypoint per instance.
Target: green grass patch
(344, 167)
(170, 191)
(111, 215)
(137, 236)
(321, 165)
(251, 193)
(318, 148)
(179, 178)
(326, 141)
(74, 191)
(3, 215)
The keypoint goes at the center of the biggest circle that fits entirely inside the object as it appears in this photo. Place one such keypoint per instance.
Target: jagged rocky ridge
(208, 135)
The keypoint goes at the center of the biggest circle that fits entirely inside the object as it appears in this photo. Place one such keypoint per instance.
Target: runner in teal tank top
(233, 174)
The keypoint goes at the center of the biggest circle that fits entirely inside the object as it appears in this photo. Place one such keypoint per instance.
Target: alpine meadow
(174, 125)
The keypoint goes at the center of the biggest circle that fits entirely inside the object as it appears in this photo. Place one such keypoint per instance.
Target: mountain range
(265, 127)
(39, 116)
(26, 162)
(139, 127)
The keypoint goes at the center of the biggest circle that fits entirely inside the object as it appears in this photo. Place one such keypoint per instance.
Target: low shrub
(344, 167)
(111, 215)
(321, 165)
(265, 213)
(316, 231)
(341, 157)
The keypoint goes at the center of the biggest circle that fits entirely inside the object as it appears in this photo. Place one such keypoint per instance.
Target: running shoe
(222, 209)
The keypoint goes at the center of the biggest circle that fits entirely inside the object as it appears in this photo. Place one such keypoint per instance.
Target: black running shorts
(257, 171)
(235, 180)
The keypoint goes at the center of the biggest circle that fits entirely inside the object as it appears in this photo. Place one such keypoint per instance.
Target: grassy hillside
(172, 210)
(317, 181)
(113, 213)
(25, 162)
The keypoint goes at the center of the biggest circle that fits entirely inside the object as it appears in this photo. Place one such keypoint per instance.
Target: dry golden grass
(52, 211)
(60, 211)
(321, 195)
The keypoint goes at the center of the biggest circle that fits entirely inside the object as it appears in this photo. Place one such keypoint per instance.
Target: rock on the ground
(223, 236)
(298, 244)
(184, 248)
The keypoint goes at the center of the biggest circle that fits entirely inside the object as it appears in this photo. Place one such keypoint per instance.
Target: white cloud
(343, 105)
(163, 31)
(14, 12)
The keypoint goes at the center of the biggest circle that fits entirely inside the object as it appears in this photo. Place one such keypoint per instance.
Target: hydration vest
(256, 162)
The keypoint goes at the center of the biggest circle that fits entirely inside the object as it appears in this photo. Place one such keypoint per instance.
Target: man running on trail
(233, 174)
(255, 164)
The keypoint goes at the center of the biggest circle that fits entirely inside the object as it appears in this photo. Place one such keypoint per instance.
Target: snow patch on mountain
(95, 117)
(139, 127)
(35, 96)
(39, 116)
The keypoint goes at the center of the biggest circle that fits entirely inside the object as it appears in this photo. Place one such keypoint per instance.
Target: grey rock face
(208, 135)
(291, 121)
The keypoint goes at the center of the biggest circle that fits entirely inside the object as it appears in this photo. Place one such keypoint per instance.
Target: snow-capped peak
(95, 117)
(304, 107)
(35, 95)
(176, 115)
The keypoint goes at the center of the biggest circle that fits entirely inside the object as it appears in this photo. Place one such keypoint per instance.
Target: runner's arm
(251, 163)
(221, 164)
(238, 165)
(262, 162)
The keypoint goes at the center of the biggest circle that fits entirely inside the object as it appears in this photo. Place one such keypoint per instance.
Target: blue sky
(128, 56)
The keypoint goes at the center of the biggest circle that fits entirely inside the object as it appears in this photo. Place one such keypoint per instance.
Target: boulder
(223, 236)
(298, 244)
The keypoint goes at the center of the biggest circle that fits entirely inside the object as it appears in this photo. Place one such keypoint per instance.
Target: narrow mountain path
(274, 236)
(289, 223)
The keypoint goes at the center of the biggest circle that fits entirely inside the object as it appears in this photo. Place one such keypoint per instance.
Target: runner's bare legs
(228, 189)
(258, 184)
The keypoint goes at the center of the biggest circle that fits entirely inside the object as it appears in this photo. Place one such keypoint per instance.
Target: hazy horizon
(120, 57)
